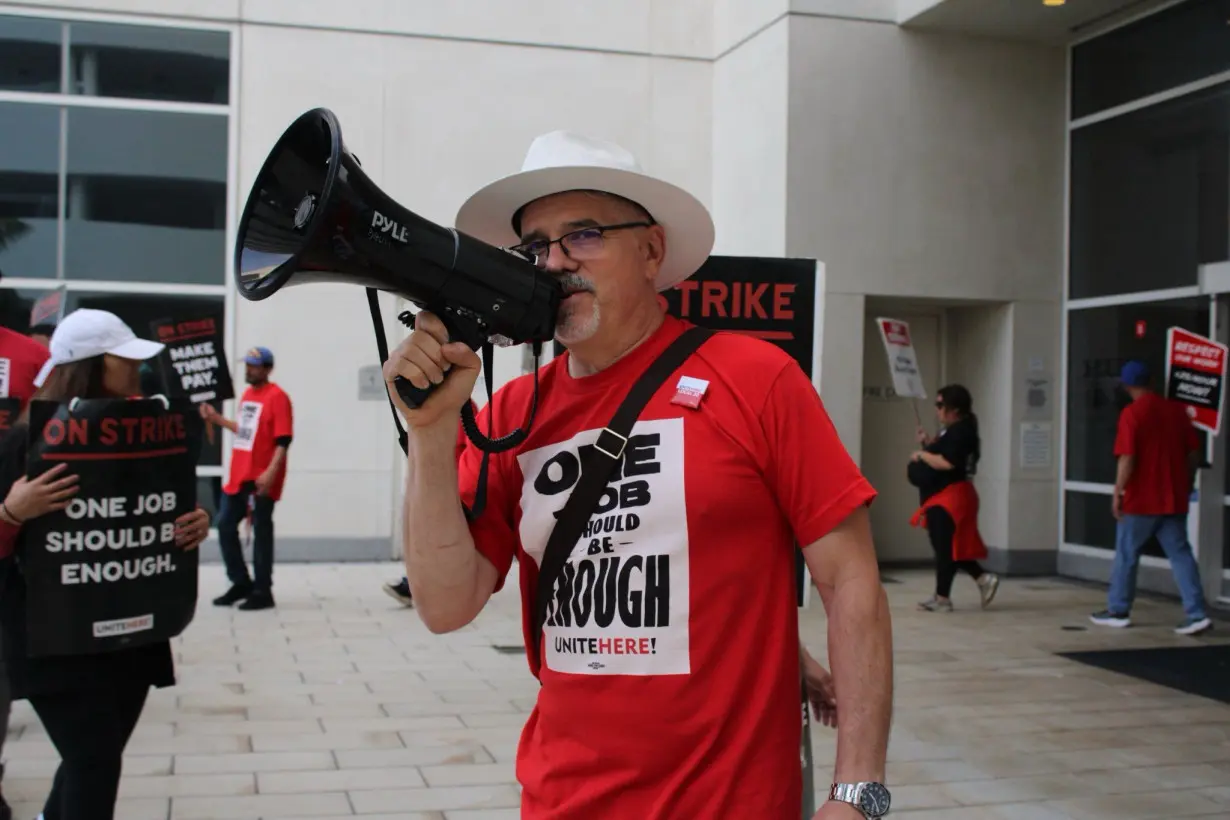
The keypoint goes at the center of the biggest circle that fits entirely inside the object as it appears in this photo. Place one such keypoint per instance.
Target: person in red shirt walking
(263, 432)
(1157, 451)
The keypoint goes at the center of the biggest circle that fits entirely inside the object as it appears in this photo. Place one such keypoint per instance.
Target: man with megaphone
(666, 639)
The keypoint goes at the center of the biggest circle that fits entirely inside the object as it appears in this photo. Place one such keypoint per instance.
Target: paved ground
(340, 703)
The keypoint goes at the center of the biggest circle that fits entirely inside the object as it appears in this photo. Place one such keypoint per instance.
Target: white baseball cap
(86, 333)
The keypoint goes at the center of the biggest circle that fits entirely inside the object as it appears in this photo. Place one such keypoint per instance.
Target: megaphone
(313, 215)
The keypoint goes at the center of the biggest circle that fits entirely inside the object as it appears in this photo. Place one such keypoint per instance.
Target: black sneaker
(1190, 626)
(233, 595)
(258, 600)
(399, 592)
(1108, 618)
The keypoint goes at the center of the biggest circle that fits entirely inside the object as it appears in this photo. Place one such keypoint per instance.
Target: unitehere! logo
(123, 626)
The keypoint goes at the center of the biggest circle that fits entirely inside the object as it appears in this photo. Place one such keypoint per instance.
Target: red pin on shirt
(1140, 328)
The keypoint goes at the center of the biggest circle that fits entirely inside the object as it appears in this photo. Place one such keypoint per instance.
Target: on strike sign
(105, 573)
(902, 361)
(193, 362)
(1196, 375)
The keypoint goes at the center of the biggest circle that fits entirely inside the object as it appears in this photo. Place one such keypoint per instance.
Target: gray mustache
(572, 282)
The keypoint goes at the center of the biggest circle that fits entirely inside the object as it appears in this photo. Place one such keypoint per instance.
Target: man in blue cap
(263, 431)
(1158, 453)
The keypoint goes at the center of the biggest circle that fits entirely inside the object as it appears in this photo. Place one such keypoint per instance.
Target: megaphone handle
(411, 395)
(459, 329)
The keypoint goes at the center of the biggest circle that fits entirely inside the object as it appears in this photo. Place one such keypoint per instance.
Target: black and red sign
(771, 299)
(1196, 376)
(194, 362)
(106, 573)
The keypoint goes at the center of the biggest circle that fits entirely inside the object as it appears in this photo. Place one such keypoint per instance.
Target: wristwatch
(872, 799)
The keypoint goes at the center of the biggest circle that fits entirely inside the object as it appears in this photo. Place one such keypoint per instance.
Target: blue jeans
(233, 509)
(1130, 537)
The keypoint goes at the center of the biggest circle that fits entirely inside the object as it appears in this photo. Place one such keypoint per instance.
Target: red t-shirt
(1158, 432)
(671, 679)
(20, 360)
(264, 416)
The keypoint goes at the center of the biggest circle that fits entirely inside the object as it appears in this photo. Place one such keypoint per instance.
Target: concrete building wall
(931, 166)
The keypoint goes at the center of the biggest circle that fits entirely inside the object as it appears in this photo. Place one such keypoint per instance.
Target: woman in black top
(948, 458)
(89, 704)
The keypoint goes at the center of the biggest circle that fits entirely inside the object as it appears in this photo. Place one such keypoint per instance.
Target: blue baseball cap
(1134, 374)
(259, 357)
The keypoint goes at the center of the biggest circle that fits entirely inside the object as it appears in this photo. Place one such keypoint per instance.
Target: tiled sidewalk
(339, 703)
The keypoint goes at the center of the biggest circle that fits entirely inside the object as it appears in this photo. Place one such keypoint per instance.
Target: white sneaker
(1105, 618)
(1190, 627)
(988, 585)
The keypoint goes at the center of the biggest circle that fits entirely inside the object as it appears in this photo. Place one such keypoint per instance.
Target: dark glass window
(146, 196)
(149, 63)
(29, 189)
(1100, 340)
(1151, 196)
(1176, 46)
(1087, 521)
(30, 54)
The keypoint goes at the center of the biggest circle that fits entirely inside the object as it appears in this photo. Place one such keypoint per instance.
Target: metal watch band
(847, 793)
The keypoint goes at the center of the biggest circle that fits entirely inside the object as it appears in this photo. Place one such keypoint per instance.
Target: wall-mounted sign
(1036, 445)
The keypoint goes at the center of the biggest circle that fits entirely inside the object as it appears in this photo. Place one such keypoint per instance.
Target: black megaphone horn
(313, 215)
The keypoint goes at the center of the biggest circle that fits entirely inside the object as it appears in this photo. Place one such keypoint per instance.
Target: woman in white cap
(89, 704)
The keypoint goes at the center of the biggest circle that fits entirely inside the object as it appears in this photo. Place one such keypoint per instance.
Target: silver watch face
(874, 800)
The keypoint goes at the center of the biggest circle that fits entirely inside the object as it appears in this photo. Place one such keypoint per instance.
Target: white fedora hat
(564, 161)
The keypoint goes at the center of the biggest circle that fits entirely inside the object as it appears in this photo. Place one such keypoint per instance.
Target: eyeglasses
(581, 244)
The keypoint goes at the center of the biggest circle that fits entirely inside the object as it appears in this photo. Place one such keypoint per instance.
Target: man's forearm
(441, 561)
(1123, 473)
(861, 655)
(275, 463)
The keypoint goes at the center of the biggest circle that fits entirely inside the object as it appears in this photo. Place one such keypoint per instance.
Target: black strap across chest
(597, 464)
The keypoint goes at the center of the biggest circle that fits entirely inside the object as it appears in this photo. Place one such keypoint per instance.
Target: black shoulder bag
(596, 469)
